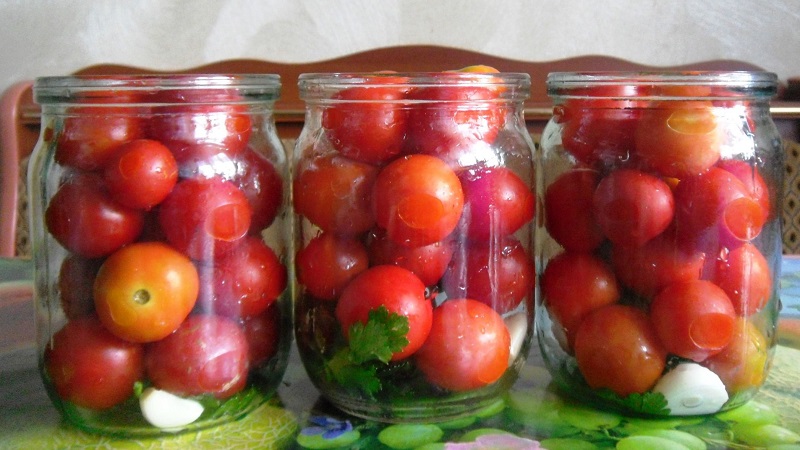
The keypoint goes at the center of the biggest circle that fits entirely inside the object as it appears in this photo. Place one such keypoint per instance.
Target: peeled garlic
(168, 411)
(517, 325)
(692, 389)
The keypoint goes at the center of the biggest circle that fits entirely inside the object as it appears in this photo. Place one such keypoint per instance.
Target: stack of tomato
(414, 196)
(160, 201)
(666, 232)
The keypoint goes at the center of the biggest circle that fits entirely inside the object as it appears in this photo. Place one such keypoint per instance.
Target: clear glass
(413, 206)
(659, 240)
(158, 217)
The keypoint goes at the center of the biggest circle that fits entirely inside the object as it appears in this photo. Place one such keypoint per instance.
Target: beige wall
(56, 37)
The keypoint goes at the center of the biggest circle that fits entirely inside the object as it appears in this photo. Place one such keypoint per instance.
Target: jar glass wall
(412, 194)
(659, 246)
(157, 212)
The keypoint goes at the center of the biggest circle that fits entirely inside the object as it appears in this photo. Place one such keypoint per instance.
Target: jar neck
(663, 86)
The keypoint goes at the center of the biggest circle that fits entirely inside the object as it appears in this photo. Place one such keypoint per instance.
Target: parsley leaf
(647, 403)
(371, 343)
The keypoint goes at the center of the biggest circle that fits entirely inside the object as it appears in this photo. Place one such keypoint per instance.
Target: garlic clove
(517, 325)
(691, 389)
(168, 411)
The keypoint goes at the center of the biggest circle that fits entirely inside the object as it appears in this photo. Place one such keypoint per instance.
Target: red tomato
(75, 281)
(661, 261)
(199, 120)
(743, 363)
(335, 193)
(207, 354)
(468, 346)
(92, 133)
(418, 200)
(693, 319)
(617, 348)
(744, 274)
(599, 133)
(632, 207)
(428, 262)
(141, 173)
(367, 123)
(753, 181)
(569, 213)
(399, 291)
(244, 282)
(263, 334)
(575, 284)
(496, 202)
(262, 184)
(499, 274)
(91, 367)
(205, 218)
(679, 140)
(454, 123)
(144, 291)
(328, 263)
(86, 220)
(717, 199)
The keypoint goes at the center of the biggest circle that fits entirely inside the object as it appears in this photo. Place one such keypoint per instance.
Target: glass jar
(413, 206)
(157, 213)
(660, 241)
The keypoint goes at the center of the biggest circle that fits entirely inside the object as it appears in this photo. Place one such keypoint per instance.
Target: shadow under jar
(660, 245)
(157, 211)
(413, 206)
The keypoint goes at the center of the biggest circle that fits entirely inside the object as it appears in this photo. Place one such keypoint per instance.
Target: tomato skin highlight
(399, 291)
(91, 367)
(497, 202)
(617, 348)
(467, 348)
(744, 274)
(144, 291)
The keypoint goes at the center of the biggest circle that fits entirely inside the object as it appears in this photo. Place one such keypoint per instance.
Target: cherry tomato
(198, 123)
(599, 133)
(141, 173)
(743, 363)
(575, 284)
(661, 261)
(499, 274)
(744, 274)
(693, 319)
(367, 123)
(428, 262)
(243, 283)
(454, 123)
(328, 263)
(753, 181)
(679, 140)
(262, 184)
(205, 218)
(335, 193)
(263, 334)
(207, 354)
(496, 202)
(399, 291)
(632, 207)
(91, 367)
(418, 200)
(468, 346)
(716, 200)
(569, 213)
(617, 348)
(86, 220)
(91, 135)
(75, 280)
(144, 291)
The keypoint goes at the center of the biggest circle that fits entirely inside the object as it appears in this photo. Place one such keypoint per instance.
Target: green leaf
(382, 335)
(647, 403)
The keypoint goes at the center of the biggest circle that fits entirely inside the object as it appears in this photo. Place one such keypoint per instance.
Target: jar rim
(66, 89)
(736, 84)
(320, 86)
